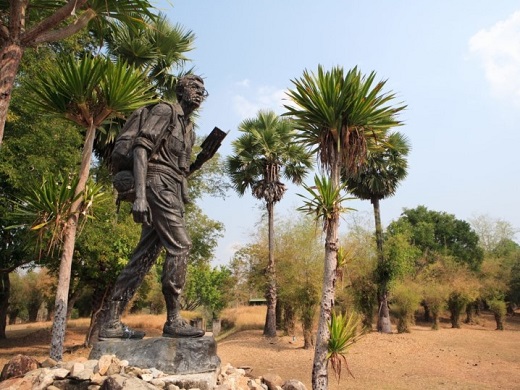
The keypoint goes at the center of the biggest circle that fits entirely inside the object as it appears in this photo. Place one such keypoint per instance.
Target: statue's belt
(170, 172)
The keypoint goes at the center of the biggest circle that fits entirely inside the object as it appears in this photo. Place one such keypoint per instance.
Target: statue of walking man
(161, 166)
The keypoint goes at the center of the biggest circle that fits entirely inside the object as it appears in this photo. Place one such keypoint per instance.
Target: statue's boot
(176, 326)
(112, 327)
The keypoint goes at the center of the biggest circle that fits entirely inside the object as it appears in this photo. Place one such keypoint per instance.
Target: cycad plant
(87, 92)
(339, 116)
(265, 153)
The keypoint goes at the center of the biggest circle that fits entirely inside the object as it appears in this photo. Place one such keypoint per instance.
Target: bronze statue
(161, 164)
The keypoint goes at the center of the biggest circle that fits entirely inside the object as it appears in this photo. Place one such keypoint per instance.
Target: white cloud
(498, 48)
(263, 98)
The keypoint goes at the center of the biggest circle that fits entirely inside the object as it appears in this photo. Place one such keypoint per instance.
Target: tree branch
(67, 31)
(52, 21)
(17, 18)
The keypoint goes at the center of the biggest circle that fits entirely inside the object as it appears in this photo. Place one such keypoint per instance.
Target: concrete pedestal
(195, 359)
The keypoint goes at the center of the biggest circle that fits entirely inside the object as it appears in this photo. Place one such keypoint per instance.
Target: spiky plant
(343, 333)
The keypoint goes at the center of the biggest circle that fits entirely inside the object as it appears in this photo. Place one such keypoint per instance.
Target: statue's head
(190, 89)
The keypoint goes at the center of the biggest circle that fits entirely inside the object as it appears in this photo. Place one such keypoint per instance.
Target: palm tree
(378, 178)
(26, 24)
(87, 92)
(262, 154)
(156, 48)
(340, 116)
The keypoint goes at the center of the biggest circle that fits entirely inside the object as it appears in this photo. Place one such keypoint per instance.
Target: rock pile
(110, 373)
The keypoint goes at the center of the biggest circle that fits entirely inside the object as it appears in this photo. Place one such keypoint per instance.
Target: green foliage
(209, 287)
(382, 171)
(437, 233)
(204, 233)
(325, 201)
(343, 333)
(404, 302)
(365, 298)
(499, 309)
(264, 153)
(155, 47)
(89, 90)
(46, 209)
(400, 258)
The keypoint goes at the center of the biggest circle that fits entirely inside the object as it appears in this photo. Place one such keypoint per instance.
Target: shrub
(499, 309)
(404, 302)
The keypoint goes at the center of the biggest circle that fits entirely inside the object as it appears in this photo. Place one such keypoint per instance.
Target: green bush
(405, 300)
(499, 308)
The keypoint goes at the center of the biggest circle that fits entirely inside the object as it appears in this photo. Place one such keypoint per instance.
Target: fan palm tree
(87, 92)
(340, 116)
(29, 23)
(155, 47)
(262, 154)
(378, 178)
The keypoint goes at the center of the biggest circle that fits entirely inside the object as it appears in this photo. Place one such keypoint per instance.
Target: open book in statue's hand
(209, 147)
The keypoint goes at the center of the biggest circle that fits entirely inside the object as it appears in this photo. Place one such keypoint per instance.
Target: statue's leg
(173, 279)
(129, 280)
(168, 219)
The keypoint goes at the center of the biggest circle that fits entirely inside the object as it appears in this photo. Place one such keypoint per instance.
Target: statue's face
(194, 93)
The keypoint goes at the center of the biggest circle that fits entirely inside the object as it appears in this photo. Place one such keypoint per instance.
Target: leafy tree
(339, 116)
(298, 253)
(26, 24)
(247, 273)
(87, 92)
(208, 287)
(376, 179)
(17, 308)
(264, 153)
(441, 233)
(491, 231)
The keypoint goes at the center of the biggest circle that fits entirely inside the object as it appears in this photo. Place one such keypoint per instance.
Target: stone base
(171, 356)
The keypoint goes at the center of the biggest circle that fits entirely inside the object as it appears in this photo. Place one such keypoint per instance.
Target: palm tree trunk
(69, 240)
(270, 295)
(320, 364)
(10, 57)
(383, 316)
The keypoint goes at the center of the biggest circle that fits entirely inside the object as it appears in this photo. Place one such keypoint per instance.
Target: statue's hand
(141, 211)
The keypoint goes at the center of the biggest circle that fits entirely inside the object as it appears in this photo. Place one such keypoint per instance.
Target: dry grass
(245, 317)
(153, 322)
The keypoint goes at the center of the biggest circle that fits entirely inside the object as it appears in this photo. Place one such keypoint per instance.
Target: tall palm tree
(340, 116)
(376, 179)
(29, 23)
(262, 154)
(87, 92)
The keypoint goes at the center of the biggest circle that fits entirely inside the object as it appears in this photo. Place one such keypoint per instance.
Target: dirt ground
(474, 357)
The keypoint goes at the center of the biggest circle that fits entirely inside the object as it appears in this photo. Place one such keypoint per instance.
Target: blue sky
(456, 64)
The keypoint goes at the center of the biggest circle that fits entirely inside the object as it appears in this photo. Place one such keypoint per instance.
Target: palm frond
(325, 201)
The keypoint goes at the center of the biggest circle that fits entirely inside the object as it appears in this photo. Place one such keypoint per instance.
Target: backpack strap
(165, 132)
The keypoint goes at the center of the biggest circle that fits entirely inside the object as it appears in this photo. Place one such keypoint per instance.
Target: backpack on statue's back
(122, 157)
